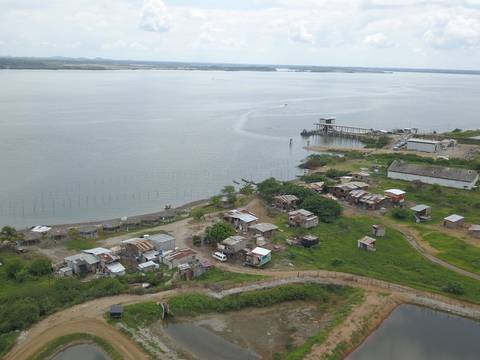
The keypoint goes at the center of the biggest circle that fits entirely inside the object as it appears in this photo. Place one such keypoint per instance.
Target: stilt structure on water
(328, 127)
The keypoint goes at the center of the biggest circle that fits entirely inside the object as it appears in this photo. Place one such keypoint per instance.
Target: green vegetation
(218, 232)
(229, 192)
(9, 234)
(401, 214)
(354, 298)
(453, 250)
(376, 142)
(223, 278)
(194, 303)
(140, 315)
(326, 209)
(314, 177)
(461, 134)
(58, 344)
(395, 260)
(198, 213)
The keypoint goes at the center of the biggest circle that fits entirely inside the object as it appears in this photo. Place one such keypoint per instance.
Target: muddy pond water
(417, 333)
(253, 333)
(81, 352)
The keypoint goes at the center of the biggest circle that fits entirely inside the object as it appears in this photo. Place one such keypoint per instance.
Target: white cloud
(155, 16)
(300, 34)
(451, 31)
(378, 40)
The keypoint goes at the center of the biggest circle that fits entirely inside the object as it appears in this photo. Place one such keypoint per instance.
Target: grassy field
(453, 250)
(395, 260)
(56, 345)
(225, 279)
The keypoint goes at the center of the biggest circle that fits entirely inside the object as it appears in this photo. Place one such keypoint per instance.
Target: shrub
(218, 232)
(40, 267)
(198, 213)
(336, 262)
(327, 210)
(400, 213)
(454, 288)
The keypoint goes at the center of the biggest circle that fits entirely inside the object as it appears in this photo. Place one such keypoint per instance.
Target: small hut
(309, 240)
(422, 212)
(378, 230)
(454, 221)
(474, 230)
(116, 311)
(111, 226)
(367, 243)
(88, 232)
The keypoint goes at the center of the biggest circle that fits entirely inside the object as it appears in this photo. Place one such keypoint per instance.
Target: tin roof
(423, 141)
(396, 192)
(474, 228)
(420, 207)
(286, 198)
(264, 227)
(454, 218)
(115, 268)
(233, 240)
(97, 251)
(261, 251)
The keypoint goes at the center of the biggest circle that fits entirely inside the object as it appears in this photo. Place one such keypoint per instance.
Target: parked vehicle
(219, 256)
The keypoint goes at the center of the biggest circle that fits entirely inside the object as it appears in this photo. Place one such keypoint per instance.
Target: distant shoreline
(63, 63)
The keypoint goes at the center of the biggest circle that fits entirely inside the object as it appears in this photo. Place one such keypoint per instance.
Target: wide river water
(87, 145)
(417, 333)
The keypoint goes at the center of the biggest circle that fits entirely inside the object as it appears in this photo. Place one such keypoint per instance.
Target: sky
(371, 33)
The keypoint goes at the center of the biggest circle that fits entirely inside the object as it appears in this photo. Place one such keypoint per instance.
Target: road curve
(89, 317)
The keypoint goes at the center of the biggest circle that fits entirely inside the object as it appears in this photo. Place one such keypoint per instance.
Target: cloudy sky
(408, 33)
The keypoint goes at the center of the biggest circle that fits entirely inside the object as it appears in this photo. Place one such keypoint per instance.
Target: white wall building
(430, 146)
(446, 176)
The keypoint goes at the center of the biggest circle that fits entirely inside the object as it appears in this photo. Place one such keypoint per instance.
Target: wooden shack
(454, 221)
(285, 202)
(309, 240)
(474, 230)
(378, 230)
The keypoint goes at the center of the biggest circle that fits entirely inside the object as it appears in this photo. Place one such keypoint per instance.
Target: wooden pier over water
(329, 128)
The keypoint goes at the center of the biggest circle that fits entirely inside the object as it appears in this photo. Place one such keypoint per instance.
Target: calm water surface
(416, 333)
(81, 352)
(87, 145)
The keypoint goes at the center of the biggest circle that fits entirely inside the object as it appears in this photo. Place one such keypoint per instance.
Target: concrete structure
(285, 202)
(309, 241)
(177, 257)
(423, 145)
(453, 221)
(378, 230)
(367, 243)
(302, 218)
(266, 230)
(422, 212)
(88, 232)
(446, 176)
(233, 245)
(83, 263)
(474, 230)
(240, 219)
(397, 196)
(258, 257)
(162, 242)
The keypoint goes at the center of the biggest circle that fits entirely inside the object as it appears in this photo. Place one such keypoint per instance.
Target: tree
(327, 210)
(8, 233)
(400, 213)
(215, 200)
(13, 268)
(229, 191)
(40, 267)
(218, 232)
(198, 213)
(247, 189)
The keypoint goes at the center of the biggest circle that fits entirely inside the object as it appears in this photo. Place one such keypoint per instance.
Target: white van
(219, 256)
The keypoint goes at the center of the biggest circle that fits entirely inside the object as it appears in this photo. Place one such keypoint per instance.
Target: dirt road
(88, 317)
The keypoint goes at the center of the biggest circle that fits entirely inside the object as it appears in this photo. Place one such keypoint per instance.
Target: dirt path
(88, 317)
